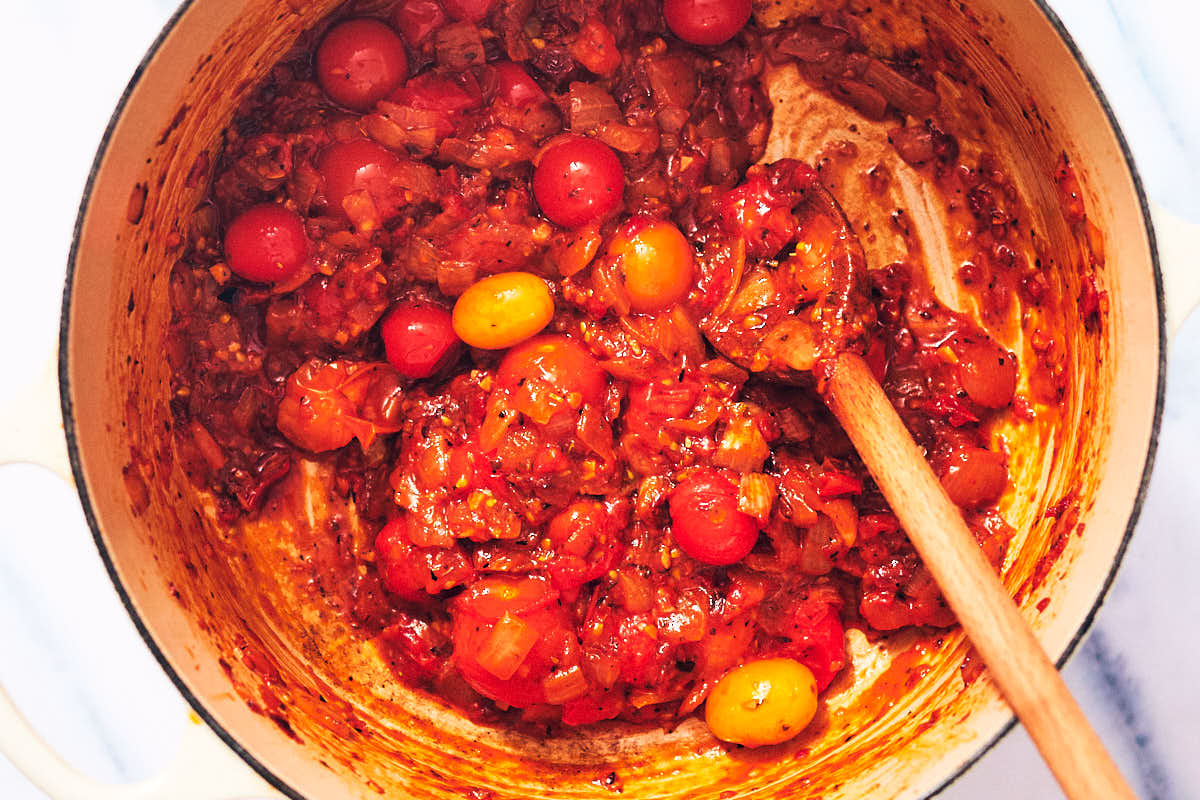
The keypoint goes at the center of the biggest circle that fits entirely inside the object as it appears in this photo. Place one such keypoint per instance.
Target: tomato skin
(418, 338)
(706, 22)
(657, 264)
(327, 404)
(531, 604)
(975, 477)
(556, 363)
(578, 180)
(418, 573)
(596, 48)
(706, 522)
(988, 374)
(515, 87)
(266, 244)
(584, 543)
(468, 10)
(417, 19)
(503, 310)
(358, 165)
(359, 62)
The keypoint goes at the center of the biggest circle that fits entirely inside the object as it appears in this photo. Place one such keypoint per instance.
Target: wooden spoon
(801, 319)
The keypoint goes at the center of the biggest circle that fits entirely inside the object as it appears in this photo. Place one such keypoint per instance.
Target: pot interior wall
(319, 707)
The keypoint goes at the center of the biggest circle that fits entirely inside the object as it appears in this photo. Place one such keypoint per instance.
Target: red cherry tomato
(418, 339)
(266, 243)
(327, 404)
(706, 522)
(508, 634)
(359, 62)
(551, 373)
(988, 374)
(418, 573)
(578, 180)
(975, 477)
(468, 10)
(515, 87)
(417, 19)
(584, 541)
(357, 166)
(706, 22)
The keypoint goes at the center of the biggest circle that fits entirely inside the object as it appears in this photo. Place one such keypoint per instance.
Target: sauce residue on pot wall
(913, 202)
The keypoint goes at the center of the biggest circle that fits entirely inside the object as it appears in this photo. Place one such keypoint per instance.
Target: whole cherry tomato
(359, 62)
(706, 22)
(554, 363)
(266, 243)
(706, 522)
(656, 263)
(418, 338)
(763, 702)
(578, 180)
(502, 310)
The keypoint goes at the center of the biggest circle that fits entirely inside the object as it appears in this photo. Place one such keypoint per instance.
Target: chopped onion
(756, 495)
(742, 446)
(899, 90)
(588, 106)
(565, 685)
(507, 646)
(845, 519)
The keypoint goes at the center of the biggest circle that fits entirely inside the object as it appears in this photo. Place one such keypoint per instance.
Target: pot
(272, 679)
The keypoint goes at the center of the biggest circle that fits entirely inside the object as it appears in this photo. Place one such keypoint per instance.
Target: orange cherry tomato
(763, 702)
(656, 263)
(502, 310)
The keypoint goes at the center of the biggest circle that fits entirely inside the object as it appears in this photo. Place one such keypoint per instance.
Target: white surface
(72, 659)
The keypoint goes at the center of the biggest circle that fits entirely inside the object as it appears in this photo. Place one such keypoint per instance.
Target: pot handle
(35, 433)
(1179, 258)
(204, 767)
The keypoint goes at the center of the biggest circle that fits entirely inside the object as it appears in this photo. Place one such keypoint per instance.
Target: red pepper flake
(1043, 604)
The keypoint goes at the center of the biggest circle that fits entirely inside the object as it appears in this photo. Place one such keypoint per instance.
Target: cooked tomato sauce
(491, 262)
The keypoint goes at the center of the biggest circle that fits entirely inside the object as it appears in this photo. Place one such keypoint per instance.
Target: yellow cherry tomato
(762, 702)
(502, 310)
(656, 263)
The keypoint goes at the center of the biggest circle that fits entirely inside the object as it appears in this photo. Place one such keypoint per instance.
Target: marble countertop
(72, 660)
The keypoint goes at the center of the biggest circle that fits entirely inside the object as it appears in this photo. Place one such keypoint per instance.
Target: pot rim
(68, 411)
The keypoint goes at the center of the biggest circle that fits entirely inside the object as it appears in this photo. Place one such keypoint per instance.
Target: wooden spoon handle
(1016, 661)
